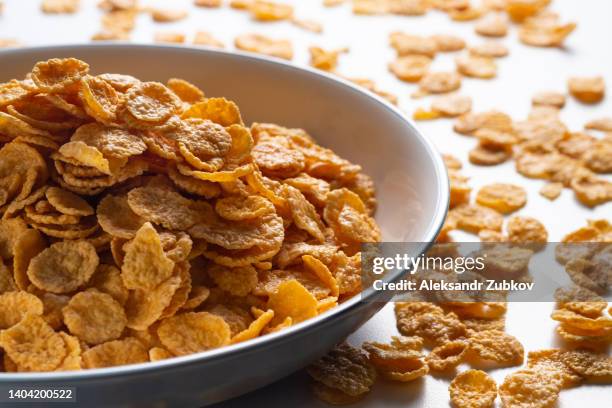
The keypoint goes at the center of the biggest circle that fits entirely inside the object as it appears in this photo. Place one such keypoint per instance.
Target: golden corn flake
(597, 158)
(206, 38)
(476, 66)
(60, 6)
(33, 345)
(238, 208)
(603, 124)
(549, 98)
(573, 319)
(406, 44)
(117, 218)
(163, 206)
(68, 203)
(291, 299)
(304, 213)
(145, 265)
(429, 322)
(219, 110)
(236, 281)
(492, 25)
(589, 189)
(16, 305)
(264, 10)
(489, 49)
(473, 218)
(322, 272)
(264, 45)
(94, 317)
(497, 346)
(410, 68)
(168, 15)
(331, 395)
(117, 352)
(151, 102)
(64, 266)
(107, 279)
(587, 89)
(193, 332)
(504, 198)
(172, 37)
(144, 307)
(58, 75)
(327, 60)
(526, 230)
(551, 191)
(448, 355)
(255, 327)
(448, 43)
(452, 105)
(539, 32)
(308, 25)
(588, 365)
(346, 369)
(473, 389)
(439, 82)
(529, 388)
(208, 3)
(551, 362)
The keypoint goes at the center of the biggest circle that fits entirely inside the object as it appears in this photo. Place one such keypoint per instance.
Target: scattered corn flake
(489, 49)
(264, 45)
(473, 389)
(502, 197)
(408, 44)
(587, 89)
(544, 32)
(452, 105)
(308, 25)
(448, 43)
(448, 355)
(551, 190)
(549, 98)
(208, 3)
(346, 369)
(206, 38)
(439, 82)
(410, 68)
(476, 66)
(172, 37)
(551, 362)
(168, 15)
(497, 346)
(492, 25)
(529, 388)
(591, 190)
(60, 6)
(474, 217)
(603, 124)
(327, 60)
(526, 230)
(266, 10)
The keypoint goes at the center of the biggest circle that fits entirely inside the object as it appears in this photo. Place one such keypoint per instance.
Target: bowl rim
(249, 346)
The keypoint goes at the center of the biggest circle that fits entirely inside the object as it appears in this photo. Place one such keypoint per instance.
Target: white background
(526, 71)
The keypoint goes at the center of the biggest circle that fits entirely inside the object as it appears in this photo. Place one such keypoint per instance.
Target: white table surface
(525, 71)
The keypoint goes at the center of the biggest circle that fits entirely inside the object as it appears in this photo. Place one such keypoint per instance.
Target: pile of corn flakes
(142, 221)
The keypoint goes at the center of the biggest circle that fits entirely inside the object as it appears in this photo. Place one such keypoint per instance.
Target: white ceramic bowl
(412, 193)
